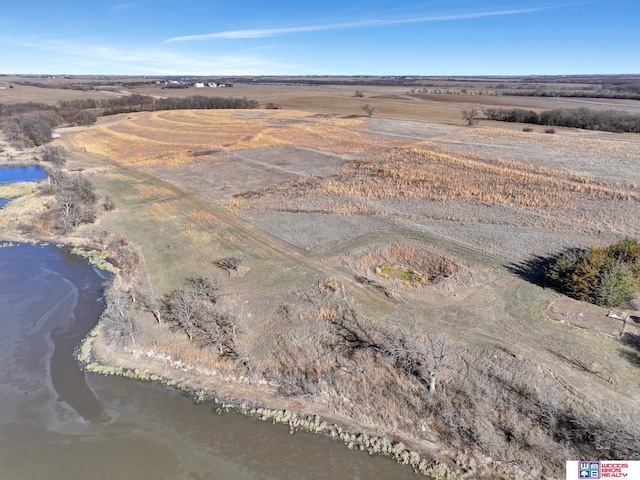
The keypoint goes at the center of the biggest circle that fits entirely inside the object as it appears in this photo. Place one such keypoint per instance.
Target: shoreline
(297, 421)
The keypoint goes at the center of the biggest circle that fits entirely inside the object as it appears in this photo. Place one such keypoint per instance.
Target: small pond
(22, 173)
(19, 173)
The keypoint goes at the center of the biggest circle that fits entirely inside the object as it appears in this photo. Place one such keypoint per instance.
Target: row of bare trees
(146, 103)
(194, 309)
(607, 121)
(394, 375)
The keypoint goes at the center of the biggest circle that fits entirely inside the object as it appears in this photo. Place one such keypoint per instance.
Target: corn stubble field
(377, 253)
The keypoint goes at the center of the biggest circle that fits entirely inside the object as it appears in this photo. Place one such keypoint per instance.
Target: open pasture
(411, 221)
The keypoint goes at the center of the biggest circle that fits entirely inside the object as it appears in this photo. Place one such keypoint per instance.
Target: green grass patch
(402, 274)
(97, 258)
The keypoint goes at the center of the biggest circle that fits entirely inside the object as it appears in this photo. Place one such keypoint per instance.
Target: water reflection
(56, 423)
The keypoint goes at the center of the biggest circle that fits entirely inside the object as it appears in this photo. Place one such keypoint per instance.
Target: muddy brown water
(58, 423)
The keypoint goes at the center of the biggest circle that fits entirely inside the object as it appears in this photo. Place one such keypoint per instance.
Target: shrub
(54, 155)
(108, 204)
(549, 130)
(228, 263)
(527, 129)
(606, 276)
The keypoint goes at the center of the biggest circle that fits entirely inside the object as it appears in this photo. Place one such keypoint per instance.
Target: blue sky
(378, 37)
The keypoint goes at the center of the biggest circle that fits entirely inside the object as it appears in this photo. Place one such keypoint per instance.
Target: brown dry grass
(440, 175)
(153, 191)
(171, 138)
(20, 210)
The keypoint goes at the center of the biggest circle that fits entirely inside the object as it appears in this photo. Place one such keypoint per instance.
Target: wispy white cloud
(272, 32)
(122, 6)
(151, 59)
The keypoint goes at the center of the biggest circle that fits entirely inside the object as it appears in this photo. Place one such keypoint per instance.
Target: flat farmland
(296, 193)
(49, 96)
(407, 217)
(509, 193)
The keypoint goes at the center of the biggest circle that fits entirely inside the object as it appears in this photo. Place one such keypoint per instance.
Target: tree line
(606, 121)
(626, 92)
(400, 377)
(30, 124)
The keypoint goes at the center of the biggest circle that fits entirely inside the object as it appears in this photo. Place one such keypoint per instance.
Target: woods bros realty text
(602, 469)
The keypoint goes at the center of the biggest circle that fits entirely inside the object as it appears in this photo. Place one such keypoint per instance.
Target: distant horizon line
(405, 76)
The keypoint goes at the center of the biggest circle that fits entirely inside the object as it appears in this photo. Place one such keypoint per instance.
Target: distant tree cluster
(626, 92)
(607, 121)
(608, 276)
(30, 124)
(145, 103)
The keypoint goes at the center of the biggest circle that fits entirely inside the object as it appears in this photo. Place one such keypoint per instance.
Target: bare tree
(69, 211)
(151, 302)
(368, 109)
(471, 116)
(194, 309)
(74, 199)
(118, 318)
(424, 357)
(183, 310)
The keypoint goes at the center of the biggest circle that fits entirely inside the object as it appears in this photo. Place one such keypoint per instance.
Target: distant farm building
(199, 85)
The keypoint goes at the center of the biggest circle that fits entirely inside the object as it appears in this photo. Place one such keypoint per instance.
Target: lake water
(9, 174)
(21, 173)
(58, 423)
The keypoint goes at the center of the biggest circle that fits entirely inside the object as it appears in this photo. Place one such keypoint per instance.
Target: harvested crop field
(412, 224)
(520, 193)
